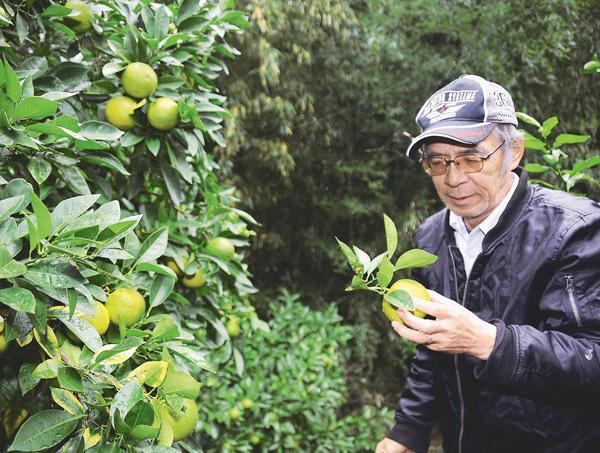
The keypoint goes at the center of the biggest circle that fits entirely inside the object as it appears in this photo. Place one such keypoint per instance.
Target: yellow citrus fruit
(414, 289)
(220, 247)
(196, 281)
(247, 403)
(3, 343)
(79, 22)
(99, 318)
(233, 327)
(1, 326)
(118, 111)
(234, 414)
(126, 305)
(171, 264)
(163, 114)
(139, 80)
(182, 425)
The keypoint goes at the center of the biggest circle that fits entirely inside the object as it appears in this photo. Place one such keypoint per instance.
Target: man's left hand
(455, 329)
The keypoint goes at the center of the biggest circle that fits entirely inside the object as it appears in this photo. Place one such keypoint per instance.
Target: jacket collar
(507, 219)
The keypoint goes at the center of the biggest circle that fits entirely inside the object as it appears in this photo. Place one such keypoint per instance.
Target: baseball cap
(465, 111)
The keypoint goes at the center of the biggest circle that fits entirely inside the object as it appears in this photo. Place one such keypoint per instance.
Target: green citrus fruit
(99, 318)
(3, 343)
(182, 425)
(234, 414)
(196, 281)
(163, 114)
(220, 247)
(139, 80)
(414, 289)
(180, 383)
(118, 111)
(255, 439)
(247, 403)
(233, 327)
(79, 22)
(126, 305)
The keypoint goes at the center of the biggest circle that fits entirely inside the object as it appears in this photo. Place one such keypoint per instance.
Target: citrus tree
(121, 263)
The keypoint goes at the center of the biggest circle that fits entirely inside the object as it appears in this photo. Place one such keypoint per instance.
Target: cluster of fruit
(140, 81)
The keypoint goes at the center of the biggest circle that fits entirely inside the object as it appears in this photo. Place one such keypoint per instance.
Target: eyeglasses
(467, 163)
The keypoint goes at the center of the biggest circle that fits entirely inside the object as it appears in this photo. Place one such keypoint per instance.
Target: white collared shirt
(470, 243)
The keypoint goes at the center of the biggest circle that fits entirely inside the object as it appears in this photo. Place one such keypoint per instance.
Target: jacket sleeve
(414, 416)
(415, 412)
(562, 362)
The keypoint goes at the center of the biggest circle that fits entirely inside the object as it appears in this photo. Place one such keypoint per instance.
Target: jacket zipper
(569, 279)
(458, 381)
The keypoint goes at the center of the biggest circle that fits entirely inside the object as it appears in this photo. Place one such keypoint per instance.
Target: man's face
(472, 196)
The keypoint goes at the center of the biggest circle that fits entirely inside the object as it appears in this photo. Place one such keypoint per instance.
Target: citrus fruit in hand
(182, 425)
(118, 111)
(79, 22)
(196, 281)
(163, 114)
(220, 247)
(414, 289)
(99, 318)
(139, 80)
(125, 305)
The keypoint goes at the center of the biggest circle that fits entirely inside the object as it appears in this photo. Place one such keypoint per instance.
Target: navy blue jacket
(538, 280)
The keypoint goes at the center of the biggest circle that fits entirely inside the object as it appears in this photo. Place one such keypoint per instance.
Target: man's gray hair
(510, 135)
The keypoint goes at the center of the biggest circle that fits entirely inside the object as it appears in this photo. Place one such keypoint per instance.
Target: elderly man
(508, 359)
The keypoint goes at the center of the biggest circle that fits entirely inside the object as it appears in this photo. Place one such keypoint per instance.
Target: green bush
(295, 379)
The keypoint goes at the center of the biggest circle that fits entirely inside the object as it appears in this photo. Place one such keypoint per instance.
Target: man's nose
(454, 176)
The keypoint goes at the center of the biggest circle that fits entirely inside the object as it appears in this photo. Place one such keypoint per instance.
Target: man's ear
(518, 148)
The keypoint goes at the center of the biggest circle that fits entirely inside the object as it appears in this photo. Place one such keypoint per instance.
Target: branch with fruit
(376, 274)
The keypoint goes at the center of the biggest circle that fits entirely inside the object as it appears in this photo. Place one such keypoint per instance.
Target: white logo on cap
(447, 103)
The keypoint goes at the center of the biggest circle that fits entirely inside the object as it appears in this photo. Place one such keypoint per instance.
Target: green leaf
(536, 168)
(415, 258)
(125, 399)
(19, 299)
(391, 236)
(349, 254)
(154, 246)
(70, 379)
(13, 87)
(386, 272)
(43, 430)
(58, 273)
(532, 142)
(236, 18)
(26, 380)
(165, 329)
(34, 107)
(67, 401)
(586, 164)
(42, 217)
(156, 268)
(399, 298)
(363, 257)
(528, 119)
(9, 206)
(48, 369)
(160, 290)
(118, 230)
(39, 168)
(81, 328)
(97, 130)
(12, 269)
(151, 373)
(569, 139)
(34, 237)
(67, 211)
(112, 354)
(548, 125)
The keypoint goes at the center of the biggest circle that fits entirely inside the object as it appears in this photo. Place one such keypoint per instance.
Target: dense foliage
(322, 116)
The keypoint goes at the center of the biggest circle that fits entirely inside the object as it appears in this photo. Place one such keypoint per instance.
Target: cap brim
(458, 131)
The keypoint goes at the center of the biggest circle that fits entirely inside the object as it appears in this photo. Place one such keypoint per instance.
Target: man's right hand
(391, 446)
